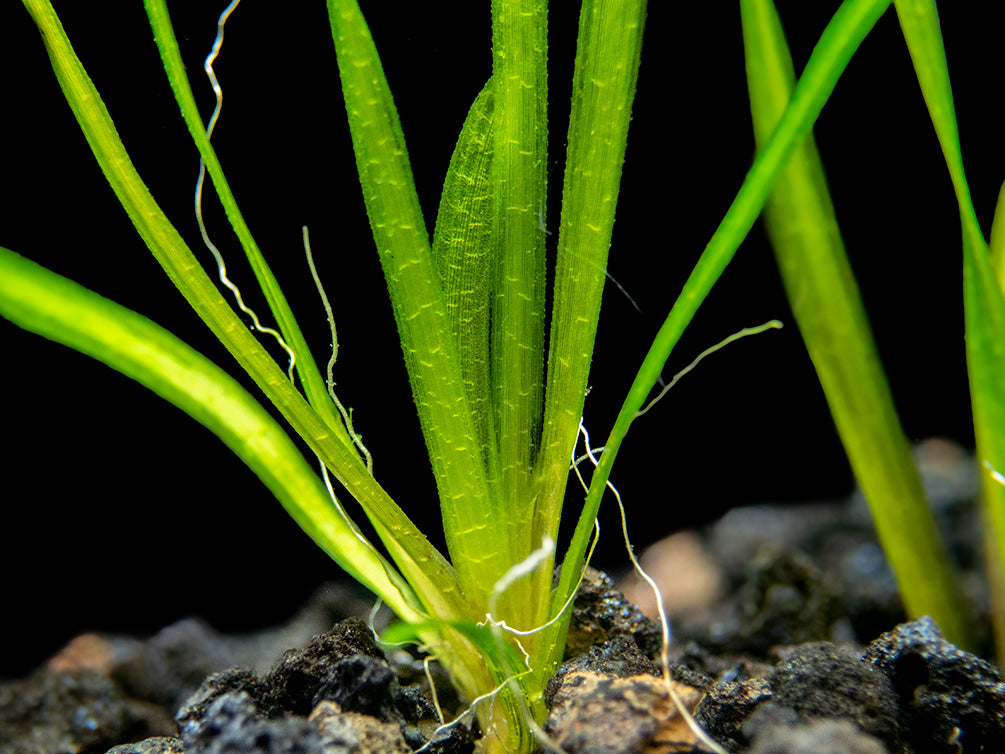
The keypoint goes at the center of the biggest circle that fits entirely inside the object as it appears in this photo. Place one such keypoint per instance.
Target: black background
(121, 514)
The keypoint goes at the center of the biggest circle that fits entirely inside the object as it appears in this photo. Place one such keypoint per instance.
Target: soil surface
(788, 637)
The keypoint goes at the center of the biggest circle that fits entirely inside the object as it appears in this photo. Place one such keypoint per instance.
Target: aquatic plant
(499, 378)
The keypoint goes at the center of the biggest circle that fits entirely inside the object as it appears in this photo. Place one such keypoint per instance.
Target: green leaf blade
(831, 317)
(59, 309)
(983, 281)
(425, 567)
(849, 26)
(413, 283)
(608, 53)
(520, 159)
(464, 254)
(984, 314)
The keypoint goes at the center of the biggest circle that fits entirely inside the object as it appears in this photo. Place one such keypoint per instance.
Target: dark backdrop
(121, 514)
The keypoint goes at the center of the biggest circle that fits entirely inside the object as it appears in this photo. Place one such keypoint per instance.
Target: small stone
(357, 733)
(79, 710)
(593, 713)
(687, 575)
(191, 715)
(302, 673)
(600, 613)
(819, 680)
(816, 737)
(156, 745)
(618, 658)
(169, 666)
(785, 600)
(725, 708)
(950, 700)
(363, 684)
(232, 724)
(89, 651)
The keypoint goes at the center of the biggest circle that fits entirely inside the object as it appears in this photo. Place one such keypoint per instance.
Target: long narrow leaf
(50, 305)
(464, 255)
(519, 167)
(431, 575)
(831, 317)
(608, 50)
(984, 304)
(413, 283)
(845, 32)
(984, 315)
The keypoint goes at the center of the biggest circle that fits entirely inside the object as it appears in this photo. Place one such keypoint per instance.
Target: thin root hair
(346, 415)
(200, 183)
(771, 325)
(469, 711)
(624, 291)
(432, 688)
(685, 714)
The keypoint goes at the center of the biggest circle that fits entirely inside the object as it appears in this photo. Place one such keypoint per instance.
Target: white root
(220, 265)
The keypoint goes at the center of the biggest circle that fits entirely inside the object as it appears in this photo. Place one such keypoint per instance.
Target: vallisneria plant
(498, 378)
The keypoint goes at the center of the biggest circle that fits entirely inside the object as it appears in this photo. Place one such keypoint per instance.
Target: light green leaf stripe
(843, 35)
(310, 377)
(984, 305)
(413, 283)
(431, 575)
(463, 252)
(45, 303)
(828, 309)
(519, 166)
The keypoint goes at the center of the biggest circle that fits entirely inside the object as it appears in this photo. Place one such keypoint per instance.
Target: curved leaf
(433, 577)
(50, 305)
